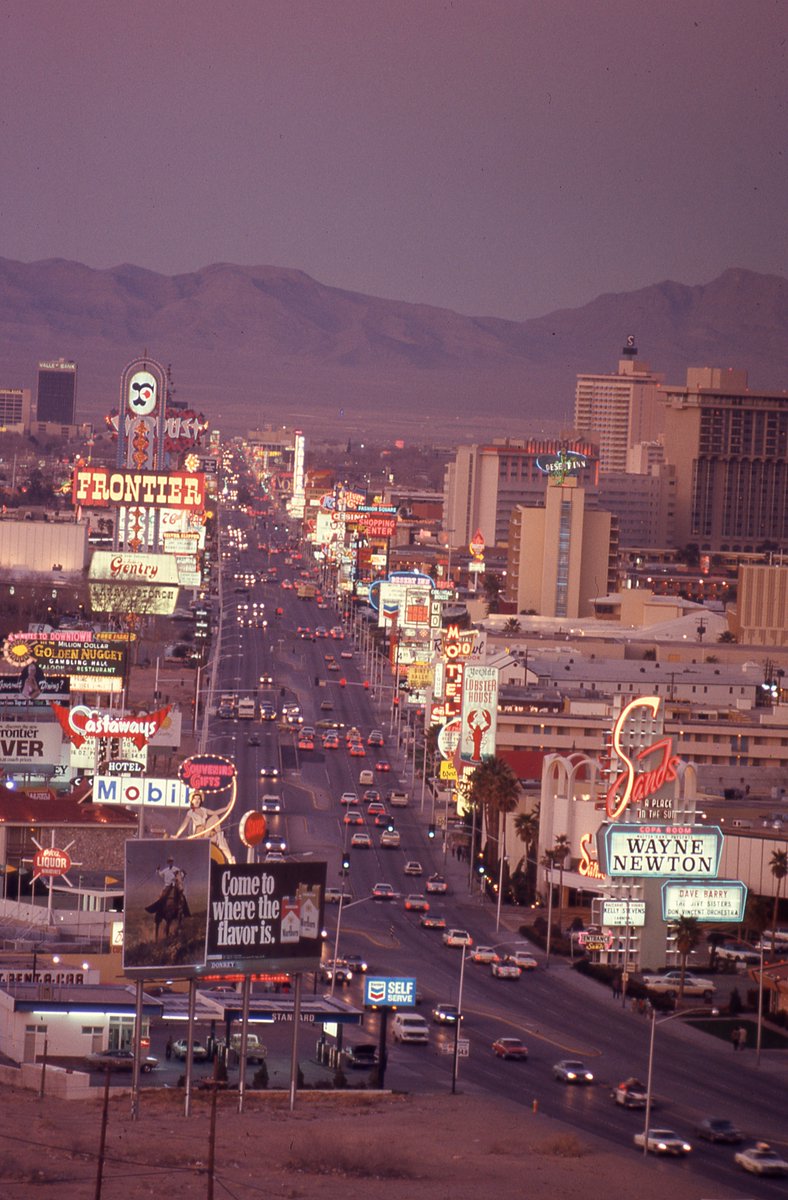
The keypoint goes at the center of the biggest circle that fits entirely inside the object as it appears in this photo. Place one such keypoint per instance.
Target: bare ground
(337, 1147)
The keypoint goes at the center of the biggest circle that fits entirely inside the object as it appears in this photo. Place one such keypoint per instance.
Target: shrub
(260, 1077)
(340, 1078)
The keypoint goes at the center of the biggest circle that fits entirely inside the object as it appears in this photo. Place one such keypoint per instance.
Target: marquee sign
(622, 913)
(102, 487)
(208, 772)
(80, 723)
(655, 851)
(722, 900)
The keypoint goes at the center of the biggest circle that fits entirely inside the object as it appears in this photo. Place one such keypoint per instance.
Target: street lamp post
(457, 1024)
(684, 1012)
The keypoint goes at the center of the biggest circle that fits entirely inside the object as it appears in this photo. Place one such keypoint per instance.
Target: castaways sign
(645, 771)
(655, 851)
(80, 723)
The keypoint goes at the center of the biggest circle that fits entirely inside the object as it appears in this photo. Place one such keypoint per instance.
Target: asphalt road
(558, 1013)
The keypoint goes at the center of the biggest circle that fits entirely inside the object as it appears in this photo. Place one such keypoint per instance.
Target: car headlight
(571, 1075)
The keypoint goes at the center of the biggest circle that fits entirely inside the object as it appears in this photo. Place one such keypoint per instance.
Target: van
(366, 778)
(409, 1027)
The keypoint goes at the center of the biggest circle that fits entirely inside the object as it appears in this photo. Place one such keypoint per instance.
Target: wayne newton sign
(655, 851)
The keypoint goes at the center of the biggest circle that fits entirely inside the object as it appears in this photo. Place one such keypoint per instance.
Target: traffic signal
(343, 683)
(366, 684)
(345, 864)
(431, 831)
(390, 827)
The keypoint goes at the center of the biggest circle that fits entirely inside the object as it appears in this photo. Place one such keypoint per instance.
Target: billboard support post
(247, 988)
(187, 1110)
(135, 1071)
(297, 979)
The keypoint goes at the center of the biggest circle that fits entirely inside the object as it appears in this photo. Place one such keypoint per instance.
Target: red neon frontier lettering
(639, 786)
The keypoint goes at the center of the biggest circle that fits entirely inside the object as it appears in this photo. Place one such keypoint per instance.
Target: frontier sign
(656, 851)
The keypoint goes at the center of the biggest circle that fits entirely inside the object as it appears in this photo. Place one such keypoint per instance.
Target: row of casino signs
(54, 662)
(650, 831)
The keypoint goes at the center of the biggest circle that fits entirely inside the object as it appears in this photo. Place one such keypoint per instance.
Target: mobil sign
(389, 992)
(158, 793)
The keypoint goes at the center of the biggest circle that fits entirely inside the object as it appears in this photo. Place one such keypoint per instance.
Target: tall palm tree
(526, 826)
(560, 852)
(779, 868)
(688, 934)
(495, 788)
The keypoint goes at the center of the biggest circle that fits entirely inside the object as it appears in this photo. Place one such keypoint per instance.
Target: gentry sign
(653, 851)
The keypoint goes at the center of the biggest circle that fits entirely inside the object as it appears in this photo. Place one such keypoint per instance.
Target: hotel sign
(102, 487)
(644, 773)
(654, 851)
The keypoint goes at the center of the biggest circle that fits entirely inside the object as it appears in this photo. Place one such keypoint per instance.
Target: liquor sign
(389, 992)
(622, 913)
(103, 487)
(479, 713)
(647, 772)
(50, 862)
(654, 851)
(134, 792)
(266, 916)
(722, 900)
(80, 722)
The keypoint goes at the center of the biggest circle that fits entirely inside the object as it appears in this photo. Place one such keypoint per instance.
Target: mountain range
(251, 346)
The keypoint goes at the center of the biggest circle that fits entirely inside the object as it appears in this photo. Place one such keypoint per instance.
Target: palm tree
(560, 851)
(526, 826)
(779, 868)
(496, 789)
(512, 625)
(688, 934)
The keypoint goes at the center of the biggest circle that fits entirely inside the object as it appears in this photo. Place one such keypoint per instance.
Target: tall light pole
(458, 1023)
(684, 1012)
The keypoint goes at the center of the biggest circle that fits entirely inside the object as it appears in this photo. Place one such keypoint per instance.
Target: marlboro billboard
(266, 916)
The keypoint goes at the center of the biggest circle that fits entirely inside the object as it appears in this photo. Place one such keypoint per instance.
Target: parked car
(509, 1047)
(738, 952)
(630, 1093)
(662, 1141)
(361, 1057)
(256, 1051)
(669, 982)
(181, 1048)
(119, 1060)
(761, 1160)
(571, 1070)
(718, 1129)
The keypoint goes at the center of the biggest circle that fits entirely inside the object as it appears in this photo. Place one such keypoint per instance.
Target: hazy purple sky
(488, 156)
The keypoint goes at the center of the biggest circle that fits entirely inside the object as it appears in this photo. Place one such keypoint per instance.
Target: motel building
(640, 853)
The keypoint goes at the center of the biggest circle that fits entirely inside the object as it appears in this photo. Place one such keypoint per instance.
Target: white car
(505, 970)
(761, 1160)
(413, 868)
(361, 840)
(348, 798)
(485, 954)
(457, 937)
(390, 839)
(662, 1141)
(669, 984)
(523, 960)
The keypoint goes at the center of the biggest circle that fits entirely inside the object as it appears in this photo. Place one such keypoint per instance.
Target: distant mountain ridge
(254, 345)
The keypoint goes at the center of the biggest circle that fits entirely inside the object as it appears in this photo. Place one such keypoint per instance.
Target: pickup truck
(669, 984)
(255, 1050)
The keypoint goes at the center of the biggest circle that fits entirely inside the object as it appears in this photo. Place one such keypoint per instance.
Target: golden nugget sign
(100, 487)
(657, 761)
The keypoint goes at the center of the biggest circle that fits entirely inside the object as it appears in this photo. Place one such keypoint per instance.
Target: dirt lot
(340, 1147)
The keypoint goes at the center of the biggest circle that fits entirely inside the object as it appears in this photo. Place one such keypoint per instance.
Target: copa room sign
(657, 851)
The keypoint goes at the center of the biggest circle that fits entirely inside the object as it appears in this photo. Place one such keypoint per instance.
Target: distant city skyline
(505, 159)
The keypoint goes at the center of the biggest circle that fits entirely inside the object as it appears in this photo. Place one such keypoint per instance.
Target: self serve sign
(387, 992)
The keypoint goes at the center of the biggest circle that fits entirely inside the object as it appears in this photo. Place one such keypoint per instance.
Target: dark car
(365, 1055)
(718, 1129)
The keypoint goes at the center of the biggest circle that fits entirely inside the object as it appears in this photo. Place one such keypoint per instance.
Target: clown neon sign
(632, 785)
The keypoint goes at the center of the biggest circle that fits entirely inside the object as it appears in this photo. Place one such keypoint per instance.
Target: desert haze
(254, 345)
